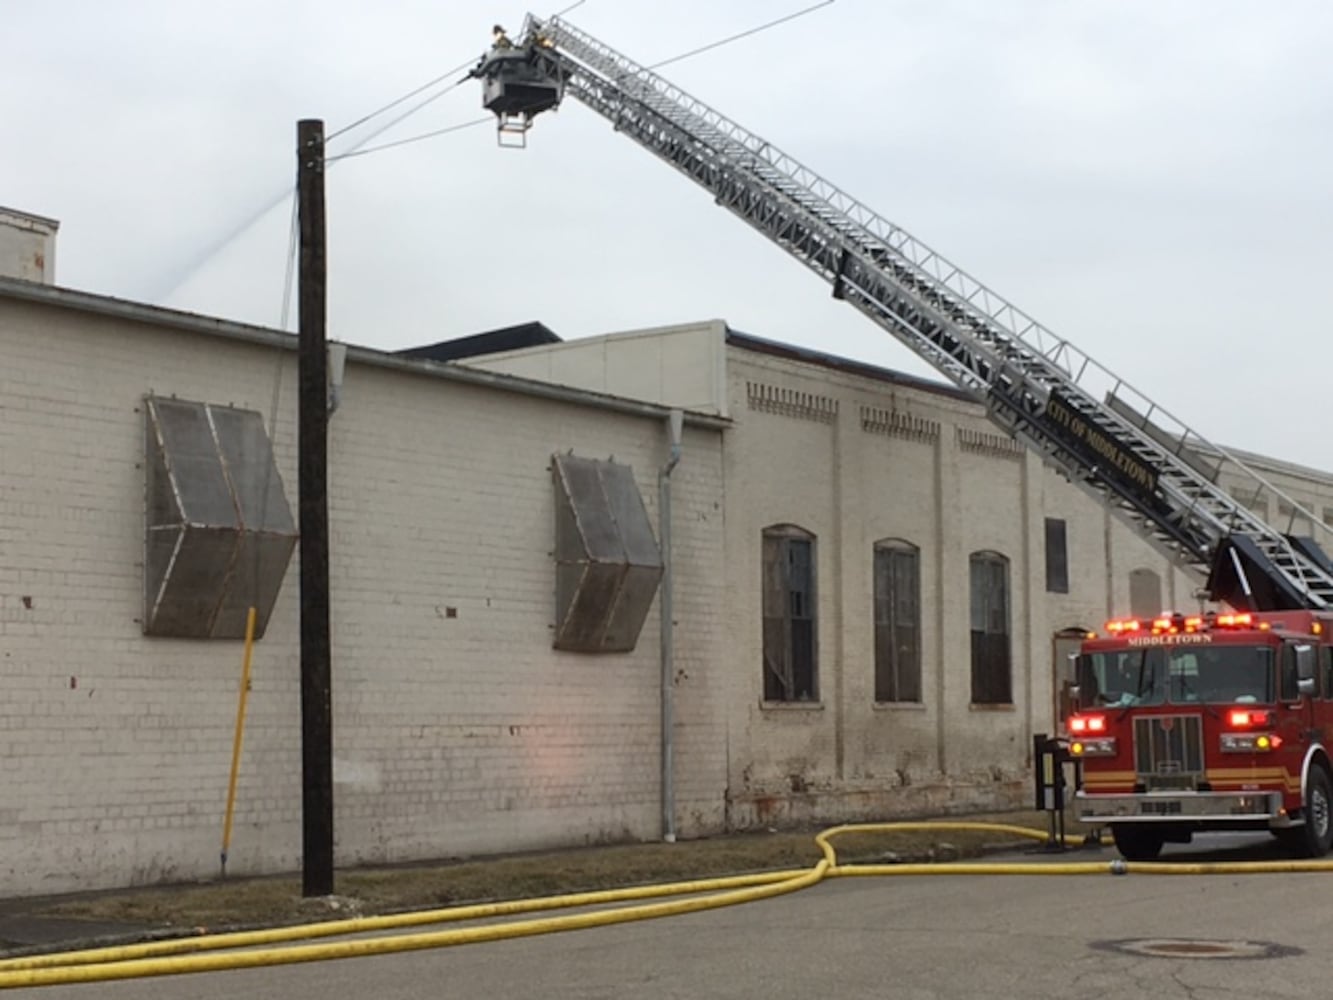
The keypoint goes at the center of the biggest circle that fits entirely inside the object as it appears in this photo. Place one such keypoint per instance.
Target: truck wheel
(1316, 836)
(1137, 843)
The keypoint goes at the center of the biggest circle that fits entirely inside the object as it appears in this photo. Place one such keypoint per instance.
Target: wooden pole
(312, 471)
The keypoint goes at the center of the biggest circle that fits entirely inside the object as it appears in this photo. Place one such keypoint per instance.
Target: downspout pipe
(675, 424)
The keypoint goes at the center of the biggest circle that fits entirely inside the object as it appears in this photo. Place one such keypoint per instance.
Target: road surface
(913, 938)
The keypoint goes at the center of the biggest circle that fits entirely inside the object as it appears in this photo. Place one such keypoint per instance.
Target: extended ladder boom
(1153, 470)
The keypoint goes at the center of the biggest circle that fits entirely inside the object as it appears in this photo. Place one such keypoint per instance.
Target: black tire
(1138, 843)
(1315, 837)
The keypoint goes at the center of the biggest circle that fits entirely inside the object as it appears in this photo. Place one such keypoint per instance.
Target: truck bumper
(1167, 807)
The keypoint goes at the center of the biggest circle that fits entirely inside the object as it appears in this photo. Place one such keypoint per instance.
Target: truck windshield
(1156, 675)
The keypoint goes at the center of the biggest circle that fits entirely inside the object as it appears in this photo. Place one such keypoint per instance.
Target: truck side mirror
(1305, 669)
(1077, 687)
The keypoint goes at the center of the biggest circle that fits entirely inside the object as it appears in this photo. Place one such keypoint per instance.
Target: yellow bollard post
(240, 732)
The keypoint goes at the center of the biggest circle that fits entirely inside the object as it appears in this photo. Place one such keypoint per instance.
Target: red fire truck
(1218, 721)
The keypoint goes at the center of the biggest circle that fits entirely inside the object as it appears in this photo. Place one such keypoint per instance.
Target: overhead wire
(403, 117)
(424, 87)
(397, 101)
(737, 37)
(416, 138)
(358, 151)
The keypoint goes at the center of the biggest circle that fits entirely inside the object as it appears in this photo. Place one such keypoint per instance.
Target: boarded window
(992, 682)
(1057, 559)
(1145, 593)
(219, 531)
(897, 621)
(790, 669)
(607, 560)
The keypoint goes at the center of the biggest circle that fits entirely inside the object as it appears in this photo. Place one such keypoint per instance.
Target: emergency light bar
(1173, 623)
(1124, 625)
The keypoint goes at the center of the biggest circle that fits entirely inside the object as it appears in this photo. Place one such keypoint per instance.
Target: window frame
(1057, 569)
(896, 682)
(992, 662)
(790, 630)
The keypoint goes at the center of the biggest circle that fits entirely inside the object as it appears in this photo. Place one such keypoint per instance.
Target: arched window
(897, 621)
(790, 666)
(992, 675)
(1145, 593)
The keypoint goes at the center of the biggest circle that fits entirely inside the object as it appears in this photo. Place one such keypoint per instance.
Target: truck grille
(1168, 751)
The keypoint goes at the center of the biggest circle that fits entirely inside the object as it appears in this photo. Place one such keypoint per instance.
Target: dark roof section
(748, 342)
(510, 338)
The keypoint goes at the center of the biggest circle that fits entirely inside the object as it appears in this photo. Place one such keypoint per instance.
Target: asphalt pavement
(916, 937)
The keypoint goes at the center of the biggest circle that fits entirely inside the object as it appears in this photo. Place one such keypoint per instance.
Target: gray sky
(1148, 178)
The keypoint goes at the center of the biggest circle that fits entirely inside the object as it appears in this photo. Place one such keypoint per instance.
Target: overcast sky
(1148, 178)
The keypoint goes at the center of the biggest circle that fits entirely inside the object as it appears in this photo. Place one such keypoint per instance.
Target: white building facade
(458, 729)
(904, 582)
(874, 594)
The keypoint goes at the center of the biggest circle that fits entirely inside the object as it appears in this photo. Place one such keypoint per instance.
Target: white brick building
(849, 459)
(458, 728)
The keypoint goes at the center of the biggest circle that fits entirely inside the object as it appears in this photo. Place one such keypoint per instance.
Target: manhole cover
(1196, 948)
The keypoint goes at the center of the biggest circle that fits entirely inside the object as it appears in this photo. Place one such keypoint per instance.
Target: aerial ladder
(1192, 499)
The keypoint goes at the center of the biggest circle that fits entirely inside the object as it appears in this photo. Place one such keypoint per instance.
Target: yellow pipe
(392, 945)
(240, 734)
(393, 921)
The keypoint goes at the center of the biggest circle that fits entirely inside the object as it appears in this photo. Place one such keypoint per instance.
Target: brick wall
(855, 460)
(457, 729)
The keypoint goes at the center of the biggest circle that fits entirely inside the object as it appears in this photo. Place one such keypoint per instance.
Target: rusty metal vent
(1197, 948)
(219, 530)
(607, 560)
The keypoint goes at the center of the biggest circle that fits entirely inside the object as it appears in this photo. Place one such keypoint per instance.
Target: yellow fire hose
(141, 968)
(218, 952)
(366, 925)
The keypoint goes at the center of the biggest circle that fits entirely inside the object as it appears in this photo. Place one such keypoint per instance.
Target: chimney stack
(27, 246)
